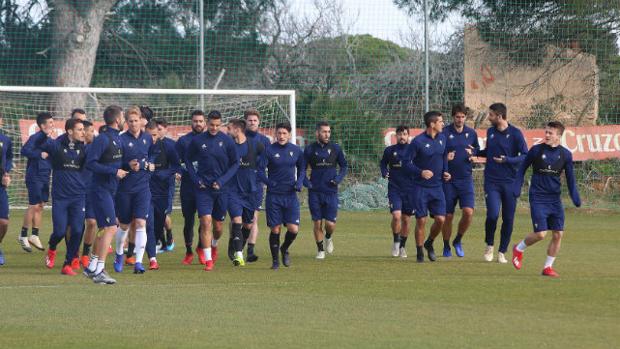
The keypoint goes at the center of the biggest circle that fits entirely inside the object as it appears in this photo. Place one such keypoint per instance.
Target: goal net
(20, 105)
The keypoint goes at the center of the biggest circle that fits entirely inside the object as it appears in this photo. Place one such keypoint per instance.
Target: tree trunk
(77, 28)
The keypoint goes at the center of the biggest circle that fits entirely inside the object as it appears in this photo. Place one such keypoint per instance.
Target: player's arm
(307, 154)
(521, 150)
(407, 160)
(261, 171)
(570, 179)
(383, 164)
(343, 167)
(233, 161)
(94, 154)
(527, 162)
(30, 149)
(8, 164)
(173, 157)
(190, 156)
(475, 146)
(301, 172)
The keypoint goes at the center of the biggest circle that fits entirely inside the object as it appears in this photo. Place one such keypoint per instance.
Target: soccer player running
(104, 159)
(462, 145)
(505, 150)
(217, 162)
(38, 170)
(166, 166)
(187, 190)
(252, 119)
(400, 184)
(6, 165)
(133, 198)
(548, 161)
(286, 171)
(323, 157)
(425, 158)
(90, 217)
(242, 188)
(68, 156)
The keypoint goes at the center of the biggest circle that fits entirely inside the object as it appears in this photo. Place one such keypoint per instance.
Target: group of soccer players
(433, 171)
(120, 184)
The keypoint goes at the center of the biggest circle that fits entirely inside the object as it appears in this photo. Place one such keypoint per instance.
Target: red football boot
(68, 270)
(209, 265)
(75, 263)
(130, 260)
(201, 255)
(85, 261)
(517, 257)
(189, 258)
(153, 265)
(548, 271)
(50, 259)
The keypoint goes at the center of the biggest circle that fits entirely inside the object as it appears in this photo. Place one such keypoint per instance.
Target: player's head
(497, 113)
(459, 113)
(78, 113)
(236, 128)
(146, 112)
(283, 133)
(75, 130)
(402, 134)
(434, 120)
(135, 121)
(323, 132)
(252, 119)
(45, 121)
(151, 128)
(89, 131)
(113, 116)
(198, 121)
(162, 126)
(553, 133)
(214, 121)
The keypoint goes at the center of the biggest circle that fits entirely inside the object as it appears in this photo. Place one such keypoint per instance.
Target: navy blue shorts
(323, 206)
(38, 192)
(242, 205)
(212, 203)
(131, 206)
(399, 201)
(259, 196)
(102, 202)
(90, 212)
(281, 209)
(547, 216)
(425, 200)
(4, 204)
(461, 191)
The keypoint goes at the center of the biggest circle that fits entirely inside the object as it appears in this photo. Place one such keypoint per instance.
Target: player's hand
(120, 173)
(447, 176)
(201, 185)
(500, 160)
(387, 176)
(427, 174)
(44, 155)
(215, 186)
(151, 167)
(451, 155)
(134, 165)
(470, 150)
(333, 183)
(6, 180)
(177, 176)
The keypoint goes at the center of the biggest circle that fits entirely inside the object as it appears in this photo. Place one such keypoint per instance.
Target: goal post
(19, 106)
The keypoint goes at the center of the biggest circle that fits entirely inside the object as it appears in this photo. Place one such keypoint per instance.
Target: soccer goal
(19, 106)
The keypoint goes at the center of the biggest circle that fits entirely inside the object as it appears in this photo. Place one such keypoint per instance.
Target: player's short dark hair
(214, 115)
(161, 121)
(238, 123)
(152, 124)
(499, 109)
(556, 125)
(42, 117)
(87, 123)
(402, 128)
(321, 124)
(71, 123)
(111, 113)
(284, 125)
(197, 112)
(77, 111)
(431, 117)
(146, 112)
(459, 108)
(249, 112)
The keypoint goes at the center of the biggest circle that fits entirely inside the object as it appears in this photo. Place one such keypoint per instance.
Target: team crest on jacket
(221, 143)
(508, 135)
(204, 146)
(277, 155)
(395, 154)
(427, 145)
(440, 142)
(329, 151)
(451, 136)
(131, 144)
(291, 153)
(144, 141)
(492, 135)
(467, 135)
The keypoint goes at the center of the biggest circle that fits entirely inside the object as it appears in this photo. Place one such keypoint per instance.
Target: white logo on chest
(221, 143)
(492, 135)
(204, 146)
(144, 141)
(427, 145)
(277, 155)
(544, 156)
(451, 136)
(329, 151)
(467, 135)
(130, 144)
(291, 153)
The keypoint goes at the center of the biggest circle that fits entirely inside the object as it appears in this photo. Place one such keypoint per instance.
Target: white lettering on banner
(617, 141)
(565, 142)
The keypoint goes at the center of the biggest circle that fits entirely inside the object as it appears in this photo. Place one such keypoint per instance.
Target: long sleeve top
(285, 168)
(328, 167)
(37, 168)
(216, 159)
(426, 153)
(509, 143)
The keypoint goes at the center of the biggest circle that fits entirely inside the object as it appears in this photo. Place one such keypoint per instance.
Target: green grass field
(357, 298)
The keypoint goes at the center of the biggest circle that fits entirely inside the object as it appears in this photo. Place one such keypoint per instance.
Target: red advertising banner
(29, 127)
(586, 143)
